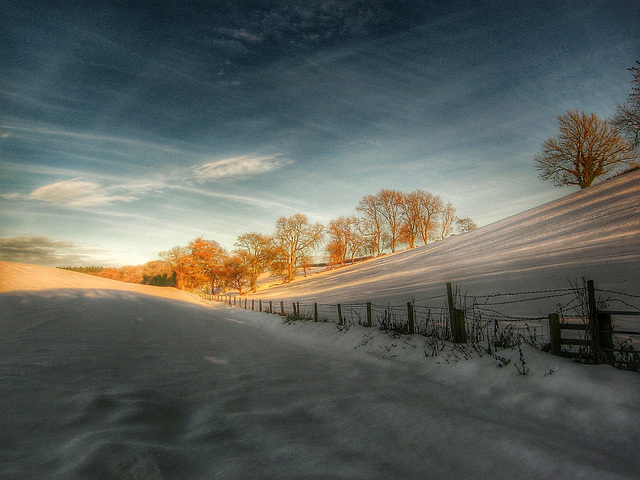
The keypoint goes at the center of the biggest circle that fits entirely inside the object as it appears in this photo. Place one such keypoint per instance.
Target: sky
(127, 128)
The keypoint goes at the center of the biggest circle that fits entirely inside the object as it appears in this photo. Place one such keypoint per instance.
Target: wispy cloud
(16, 126)
(77, 193)
(244, 165)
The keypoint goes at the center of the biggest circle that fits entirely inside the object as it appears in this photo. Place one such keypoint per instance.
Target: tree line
(381, 223)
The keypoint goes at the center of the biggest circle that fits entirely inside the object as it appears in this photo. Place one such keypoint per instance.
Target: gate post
(456, 318)
(554, 332)
(411, 327)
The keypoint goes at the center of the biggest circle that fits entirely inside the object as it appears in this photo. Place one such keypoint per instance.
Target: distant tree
(305, 262)
(431, 206)
(447, 220)
(258, 250)
(585, 149)
(390, 207)
(627, 117)
(158, 273)
(411, 208)
(466, 224)
(236, 272)
(171, 258)
(371, 226)
(296, 236)
(344, 239)
(204, 266)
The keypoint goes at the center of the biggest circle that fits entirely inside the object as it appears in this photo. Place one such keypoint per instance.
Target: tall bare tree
(389, 207)
(447, 220)
(258, 251)
(585, 149)
(430, 207)
(296, 236)
(344, 239)
(627, 117)
(236, 272)
(411, 217)
(371, 225)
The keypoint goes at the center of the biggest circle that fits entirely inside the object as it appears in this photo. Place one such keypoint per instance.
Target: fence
(494, 320)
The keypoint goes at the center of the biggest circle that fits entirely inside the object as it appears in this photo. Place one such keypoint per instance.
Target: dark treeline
(91, 269)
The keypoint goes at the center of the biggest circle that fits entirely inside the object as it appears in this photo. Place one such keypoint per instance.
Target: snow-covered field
(592, 234)
(106, 380)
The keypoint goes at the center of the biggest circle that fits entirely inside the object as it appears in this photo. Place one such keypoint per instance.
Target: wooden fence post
(281, 308)
(411, 326)
(555, 333)
(456, 318)
(340, 315)
(253, 304)
(270, 306)
(298, 309)
(369, 319)
(315, 312)
(594, 328)
(295, 314)
(260, 305)
(606, 338)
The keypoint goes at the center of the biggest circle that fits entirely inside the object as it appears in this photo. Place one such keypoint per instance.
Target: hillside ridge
(592, 233)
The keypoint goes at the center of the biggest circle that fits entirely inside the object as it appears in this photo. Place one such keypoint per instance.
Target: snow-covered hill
(592, 234)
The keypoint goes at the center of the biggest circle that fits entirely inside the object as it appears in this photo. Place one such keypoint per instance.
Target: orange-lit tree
(204, 266)
(295, 236)
(258, 252)
(371, 226)
(344, 239)
(586, 148)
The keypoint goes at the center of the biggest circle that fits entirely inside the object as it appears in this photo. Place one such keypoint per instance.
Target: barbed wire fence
(491, 321)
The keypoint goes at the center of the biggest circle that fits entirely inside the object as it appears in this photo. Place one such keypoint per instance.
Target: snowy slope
(99, 380)
(102, 379)
(592, 234)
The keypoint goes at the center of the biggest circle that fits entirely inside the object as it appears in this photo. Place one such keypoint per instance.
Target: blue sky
(126, 130)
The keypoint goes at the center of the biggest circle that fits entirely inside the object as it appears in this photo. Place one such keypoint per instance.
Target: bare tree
(371, 225)
(466, 224)
(430, 207)
(296, 236)
(627, 117)
(236, 272)
(447, 220)
(258, 251)
(344, 239)
(411, 218)
(389, 207)
(585, 149)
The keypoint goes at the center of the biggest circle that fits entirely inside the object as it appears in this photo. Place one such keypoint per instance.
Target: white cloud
(77, 193)
(242, 34)
(239, 166)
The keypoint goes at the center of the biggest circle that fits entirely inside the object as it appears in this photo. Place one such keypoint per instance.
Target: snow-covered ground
(100, 379)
